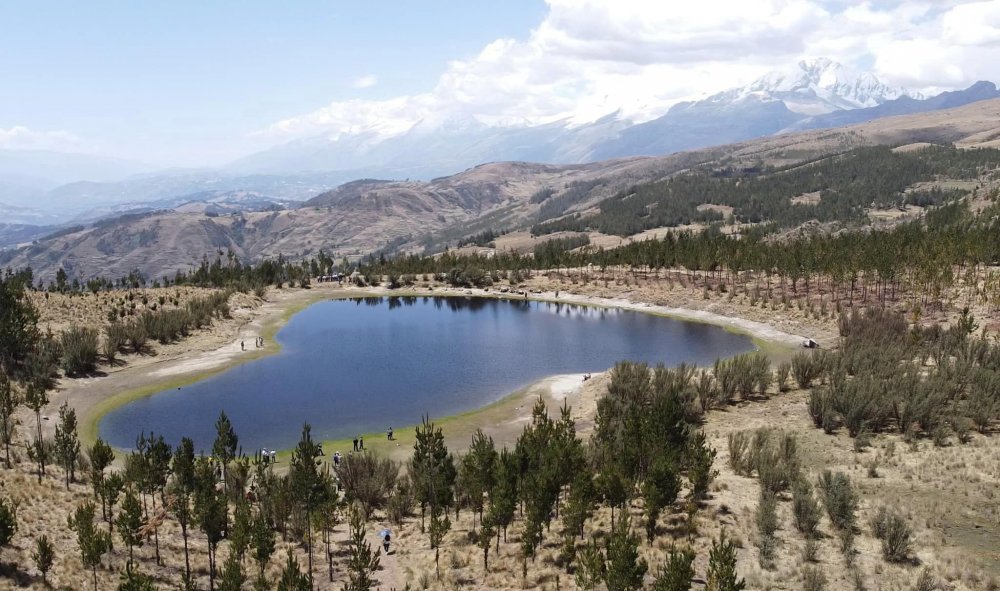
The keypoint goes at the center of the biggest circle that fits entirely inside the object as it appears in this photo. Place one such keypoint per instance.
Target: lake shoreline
(512, 408)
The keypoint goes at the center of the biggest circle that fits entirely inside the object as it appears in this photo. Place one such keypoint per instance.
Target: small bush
(79, 350)
(810, 552)
(115, 339)
(739, 447)
(805, 369)
(368, 479)
(894, 533)
(839, 498)
(805, 509)
(137, 337)
(781, 376)
(767, 524)
(926, 581)
(813, 578)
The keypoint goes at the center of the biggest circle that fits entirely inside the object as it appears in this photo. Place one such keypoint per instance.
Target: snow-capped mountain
(817, 86)
(444, 143)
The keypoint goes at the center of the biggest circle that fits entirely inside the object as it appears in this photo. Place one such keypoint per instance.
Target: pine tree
(157, 457)
(232, 577)
(487, 529)
(308, 486)
(590, 566)
(8, 521)
(36, 398)
(722, 566)
(183, 467)
(225, 445)
(240, 534)
(44, 555)
(18, 321)
(133, 580)
(67, 442)
(503, 498)
(210, 512)
(677, 572)
(439, 526)
(129, 521)
(699, 461)
(478, 471)
(263, 546)
(432, 469)
(93, 542)
(659, 490)
(100, 455)
(363, 562)
(9, 401)
(292, 578)
(580, 504)
(625, 569)
(111, 488)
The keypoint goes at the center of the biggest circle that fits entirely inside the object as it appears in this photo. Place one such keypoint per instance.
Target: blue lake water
(358, 366)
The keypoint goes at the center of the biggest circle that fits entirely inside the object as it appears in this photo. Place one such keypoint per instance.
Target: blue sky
(124, 76)
(199, 83)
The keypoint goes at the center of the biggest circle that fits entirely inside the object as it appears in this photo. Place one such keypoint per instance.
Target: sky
(196, 83)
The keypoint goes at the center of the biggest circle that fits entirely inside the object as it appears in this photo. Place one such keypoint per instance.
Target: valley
(600, 296)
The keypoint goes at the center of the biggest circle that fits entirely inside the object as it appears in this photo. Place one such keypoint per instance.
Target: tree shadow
(9, 570)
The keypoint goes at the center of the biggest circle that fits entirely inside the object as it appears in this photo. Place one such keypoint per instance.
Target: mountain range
(41, 188)
(367, 215)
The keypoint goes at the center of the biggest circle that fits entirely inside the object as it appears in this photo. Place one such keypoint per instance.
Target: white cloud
(590, 57)
(366, 81)
(22, 138)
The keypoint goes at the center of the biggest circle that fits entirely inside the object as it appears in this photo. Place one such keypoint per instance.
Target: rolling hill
(368, 215)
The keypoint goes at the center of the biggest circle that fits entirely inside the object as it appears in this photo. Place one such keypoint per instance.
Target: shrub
(739, 460)
(137, 336)
(781, 376)
(400, 504)
(767, 524)
(927, 582)
(805, 369)
(813, 578)
(368, 479)
(810, 552)
(79, 350)
(839, 498)
(805, 509)
(818, 405)
(894, 533)
(115, 339)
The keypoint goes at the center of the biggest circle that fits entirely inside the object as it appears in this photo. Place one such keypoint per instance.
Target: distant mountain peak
(820, 85)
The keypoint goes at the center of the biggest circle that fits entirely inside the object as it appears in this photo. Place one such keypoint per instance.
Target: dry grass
(949, 495)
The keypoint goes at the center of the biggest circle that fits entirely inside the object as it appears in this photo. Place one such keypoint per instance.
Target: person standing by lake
(388, 434)
(355, 444)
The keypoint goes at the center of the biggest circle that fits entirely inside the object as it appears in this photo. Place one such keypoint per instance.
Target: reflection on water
(362, 365)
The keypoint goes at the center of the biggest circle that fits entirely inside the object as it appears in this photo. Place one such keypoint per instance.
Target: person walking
(388, 434)
(355, 444)
(361, 442)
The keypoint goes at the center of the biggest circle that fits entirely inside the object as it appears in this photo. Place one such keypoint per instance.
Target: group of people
(258, 342)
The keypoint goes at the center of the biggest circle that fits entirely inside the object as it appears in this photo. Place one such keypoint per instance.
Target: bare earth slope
(367, 215)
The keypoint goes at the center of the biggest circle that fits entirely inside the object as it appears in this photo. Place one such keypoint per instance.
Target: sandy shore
(212, 351)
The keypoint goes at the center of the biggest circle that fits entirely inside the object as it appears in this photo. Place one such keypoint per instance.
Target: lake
(361, 365)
